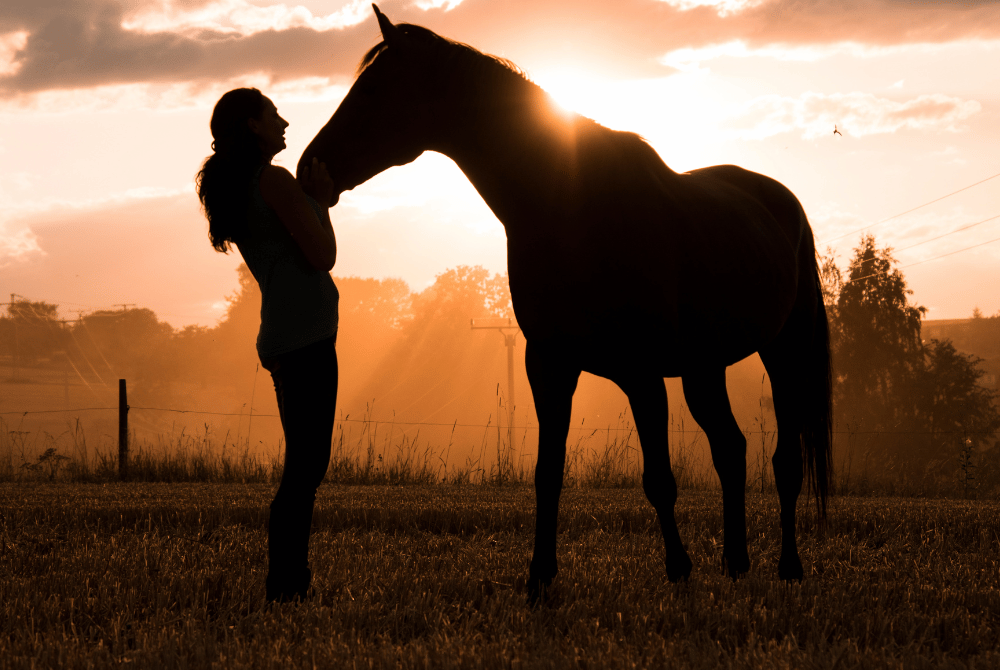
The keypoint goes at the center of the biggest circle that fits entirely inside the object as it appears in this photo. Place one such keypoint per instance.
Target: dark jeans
(305, 381)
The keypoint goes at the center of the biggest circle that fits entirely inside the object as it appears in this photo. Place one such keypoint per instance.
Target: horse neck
(515, 144)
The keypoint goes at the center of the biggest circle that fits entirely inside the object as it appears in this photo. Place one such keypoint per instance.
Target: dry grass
(171, 575)
(364, 455)
(604, 458)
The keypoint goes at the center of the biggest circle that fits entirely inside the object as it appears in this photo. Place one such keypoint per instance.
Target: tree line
(379, 318)
(900, 401)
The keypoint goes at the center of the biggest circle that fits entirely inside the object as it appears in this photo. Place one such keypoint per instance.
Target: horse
(618, 266)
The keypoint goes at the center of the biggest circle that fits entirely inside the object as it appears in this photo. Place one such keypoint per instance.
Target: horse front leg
(553, 381)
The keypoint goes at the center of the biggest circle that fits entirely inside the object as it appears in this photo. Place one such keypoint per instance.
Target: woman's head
(246, 132)
(245, 121)
(230, 124)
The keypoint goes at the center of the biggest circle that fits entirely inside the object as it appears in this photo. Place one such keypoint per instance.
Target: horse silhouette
(618, 266)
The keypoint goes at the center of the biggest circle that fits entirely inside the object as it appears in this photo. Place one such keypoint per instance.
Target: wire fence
(456, 424)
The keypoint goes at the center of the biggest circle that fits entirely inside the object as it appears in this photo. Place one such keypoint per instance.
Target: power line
(56, 411)
(957, 230)
(54, 302)
(995, 239)
(896, 216)
(928, 260)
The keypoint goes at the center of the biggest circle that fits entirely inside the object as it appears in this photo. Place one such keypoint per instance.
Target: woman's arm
(313, 233)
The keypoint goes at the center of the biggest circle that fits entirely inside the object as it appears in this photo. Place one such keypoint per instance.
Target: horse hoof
(736, 567)
(679, 569)
(790, 570)
(538, 590)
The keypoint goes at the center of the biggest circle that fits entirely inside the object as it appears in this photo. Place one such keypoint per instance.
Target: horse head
(387, 118)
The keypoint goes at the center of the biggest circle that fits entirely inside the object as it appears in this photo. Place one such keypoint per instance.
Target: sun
(573, 90)
(615, 104)
(679, 113)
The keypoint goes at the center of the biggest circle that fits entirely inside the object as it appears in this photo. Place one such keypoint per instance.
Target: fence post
(122, 430)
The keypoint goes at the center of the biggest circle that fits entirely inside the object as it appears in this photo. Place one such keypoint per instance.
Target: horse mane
(507, 78)
(428, 37)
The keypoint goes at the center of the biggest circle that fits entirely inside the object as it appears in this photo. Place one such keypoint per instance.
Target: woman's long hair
(223, 183)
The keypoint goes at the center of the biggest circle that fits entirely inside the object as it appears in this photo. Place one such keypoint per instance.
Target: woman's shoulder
(277, 183)
(276, 176)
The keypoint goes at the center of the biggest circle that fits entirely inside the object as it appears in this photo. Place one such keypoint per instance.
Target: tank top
(298, 302)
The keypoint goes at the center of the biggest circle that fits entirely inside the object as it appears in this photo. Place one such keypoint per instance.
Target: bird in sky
(837, 132)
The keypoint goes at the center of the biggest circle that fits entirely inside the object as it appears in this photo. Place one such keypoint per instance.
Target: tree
(951, 398)
(373, 316)
(437, 359)
(128, 343)
(876, 343)
(232, 348)
(31, 331)
(831, 281)
(462, 293)
(916, 401)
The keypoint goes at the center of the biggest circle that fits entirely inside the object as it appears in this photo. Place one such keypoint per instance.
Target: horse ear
(390, 33)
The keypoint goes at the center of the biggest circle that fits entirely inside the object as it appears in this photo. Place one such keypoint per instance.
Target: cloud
(147, 247)
(19, 238)
(10, 45)
(691, 59)
(722, 7)
(437, 4)
(239, 17)
(855, 114)
(73, 44)
(87, 45)
(16, 243)
(165, 97)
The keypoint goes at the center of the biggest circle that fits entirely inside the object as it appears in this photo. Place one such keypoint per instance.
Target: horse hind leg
(708, 400)
(798, 363)
(648, 400)
(787, 458)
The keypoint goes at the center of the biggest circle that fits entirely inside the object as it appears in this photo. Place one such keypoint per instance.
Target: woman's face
(270, 129)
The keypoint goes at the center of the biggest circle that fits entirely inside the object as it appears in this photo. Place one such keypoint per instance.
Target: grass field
(171, 575)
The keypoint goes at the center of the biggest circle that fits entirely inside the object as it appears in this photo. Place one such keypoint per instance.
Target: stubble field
(171, 575)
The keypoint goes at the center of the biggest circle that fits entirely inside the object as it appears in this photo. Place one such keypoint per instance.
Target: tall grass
(373, 452)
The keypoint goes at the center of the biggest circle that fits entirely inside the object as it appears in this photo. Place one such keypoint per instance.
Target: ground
(171, 575)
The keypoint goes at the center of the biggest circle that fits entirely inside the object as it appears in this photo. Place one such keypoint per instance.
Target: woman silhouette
(282, 229)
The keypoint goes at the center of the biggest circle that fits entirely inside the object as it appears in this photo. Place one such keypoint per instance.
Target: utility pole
(13, 320)
(509, 329)
(65, 356)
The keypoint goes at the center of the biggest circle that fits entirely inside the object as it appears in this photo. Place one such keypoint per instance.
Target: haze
(104, 110)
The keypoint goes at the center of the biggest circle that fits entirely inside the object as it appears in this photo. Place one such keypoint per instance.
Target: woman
(282, 229)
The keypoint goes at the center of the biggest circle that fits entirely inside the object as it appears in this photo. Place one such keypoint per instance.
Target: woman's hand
(311, 229)
(316, 182)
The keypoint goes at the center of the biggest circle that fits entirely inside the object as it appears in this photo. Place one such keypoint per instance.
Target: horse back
(771, 194)
(670, 262)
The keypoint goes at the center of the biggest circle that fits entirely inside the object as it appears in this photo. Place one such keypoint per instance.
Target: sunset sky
(104, 110)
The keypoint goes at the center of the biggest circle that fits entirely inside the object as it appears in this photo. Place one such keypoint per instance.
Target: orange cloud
(98, 42)
(152, 251)
(92, 45)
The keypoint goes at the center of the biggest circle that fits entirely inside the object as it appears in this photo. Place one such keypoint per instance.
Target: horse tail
(817, 430)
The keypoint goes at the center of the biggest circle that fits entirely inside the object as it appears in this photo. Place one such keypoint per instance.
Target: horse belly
(740, 305)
